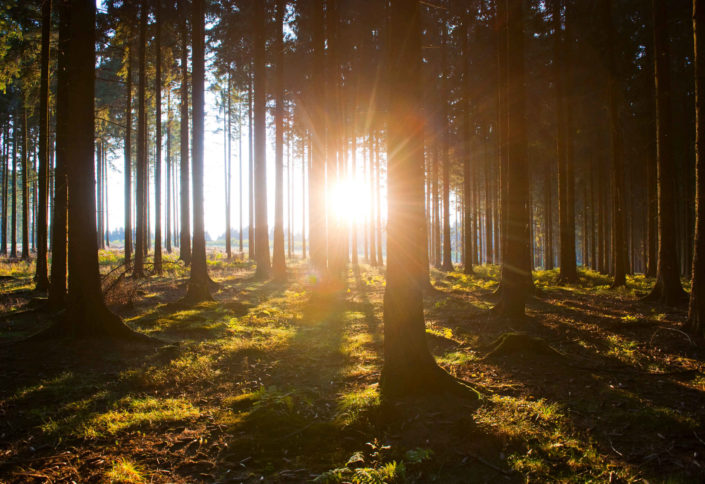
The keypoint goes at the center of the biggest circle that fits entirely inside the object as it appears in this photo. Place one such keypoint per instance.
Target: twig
(615, 450)
(698, 437)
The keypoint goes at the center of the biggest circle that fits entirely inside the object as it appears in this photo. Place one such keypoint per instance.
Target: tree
(127, 167)
(260, 148)
(668, 287)
(409, 366)
(41, 278)
(57, 286)
(566, 183)
(619, 249)
(696, 308)
(25, 179)
(516, 264)
(278, 258)
(158, 154)
(86, 314)
(198, 282)
(185, 237)
(141, 170)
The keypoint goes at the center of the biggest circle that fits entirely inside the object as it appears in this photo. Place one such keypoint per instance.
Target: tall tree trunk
(548, 216)
(141, 170)
(169, 173)
(667, 289)
(41, 277)
(516, 267)
(408, 367)
(185, 238)
(696, 308)
(198, 282)
(239, 161)
(25, 185)
(618, 240)
(228, 142)
(128, 157)
(251, 204)
(316, 187)
(566, 215)
(86, 313)
(158, 154)
(57, 286)
(5, 183)
(260, 151)
(278, 258)
(13, 225)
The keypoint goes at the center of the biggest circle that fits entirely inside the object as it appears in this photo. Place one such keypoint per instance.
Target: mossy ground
(270, 384)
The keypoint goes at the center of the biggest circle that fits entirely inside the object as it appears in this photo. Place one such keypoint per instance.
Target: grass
(125, 471)
(271, 383)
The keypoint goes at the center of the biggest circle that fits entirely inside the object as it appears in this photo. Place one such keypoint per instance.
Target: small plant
(125, 471)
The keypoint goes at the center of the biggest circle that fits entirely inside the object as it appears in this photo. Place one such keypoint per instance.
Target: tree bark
(25, 185)
(618, 241)
(41, 278)
(667, 289)
(516, 267)
(409, 367)
(260, 151)
(696, 308)
(141, 170)
(158, 154)
(278, 258)
(185, 238)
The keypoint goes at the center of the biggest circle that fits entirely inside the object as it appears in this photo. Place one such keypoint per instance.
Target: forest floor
(267, 384)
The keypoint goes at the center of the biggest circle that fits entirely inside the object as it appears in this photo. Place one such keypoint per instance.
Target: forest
(352, 241)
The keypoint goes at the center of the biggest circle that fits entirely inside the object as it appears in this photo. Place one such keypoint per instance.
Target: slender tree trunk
(239, 161)
(128, 158)
(141, 170)
(57, 286)
(13, 225)
(169, 173)
(41, 277)
(228, 141)
(158, 154)
(618, 240)
(373, 199)
(378, 169)
(251, 228)
(303, 195)
(5, 182)
(198, 289)
(696, 308)
(278, 258)
(261, 226)
(317, 195)
(185, 239)
(667, 289)
(516, 267)
(25, 185)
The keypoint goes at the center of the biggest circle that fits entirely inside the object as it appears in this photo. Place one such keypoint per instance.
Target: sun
(349, 200)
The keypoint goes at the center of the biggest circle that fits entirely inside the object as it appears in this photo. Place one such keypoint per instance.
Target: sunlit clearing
(349, 200)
